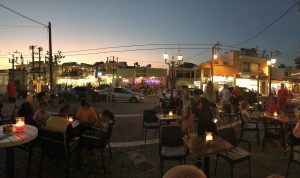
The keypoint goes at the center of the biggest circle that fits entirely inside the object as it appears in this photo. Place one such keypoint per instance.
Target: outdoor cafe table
(200, 148)
(283, 120)
(167, 118)
(13, 139)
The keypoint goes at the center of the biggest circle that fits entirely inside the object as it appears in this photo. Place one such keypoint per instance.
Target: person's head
(209, 87)
(85, 104)
(185, 171)
(225, 86)
(244, 105)
(43, 105)
(107, 114)
(26, 108)
(282, 86)
(64, 111)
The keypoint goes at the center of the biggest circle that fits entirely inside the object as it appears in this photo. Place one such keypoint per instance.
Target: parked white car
(122, 94)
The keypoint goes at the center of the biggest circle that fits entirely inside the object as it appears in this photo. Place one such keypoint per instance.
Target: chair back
(149, 116)
(171, 136)
(107, 136)
(228, 134)
(243, 119)
(53, 142)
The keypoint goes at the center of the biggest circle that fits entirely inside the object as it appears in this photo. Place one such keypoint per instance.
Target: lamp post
(214, 56)
(172, 63)
(270, 64)
(13, 59)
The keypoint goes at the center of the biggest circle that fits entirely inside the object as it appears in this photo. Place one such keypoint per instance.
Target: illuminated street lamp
(13, 59)
(270, 64)
(172, 63)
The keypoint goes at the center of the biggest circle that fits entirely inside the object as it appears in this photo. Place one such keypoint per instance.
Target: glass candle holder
(275, 114)
(170, 113)
(20, 124)
(70, 119)
(208, 136)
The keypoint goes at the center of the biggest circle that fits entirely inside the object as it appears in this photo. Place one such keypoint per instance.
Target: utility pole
(113, 68)
(212, 63)
(50, 57)
(40, 49)
(32, 55)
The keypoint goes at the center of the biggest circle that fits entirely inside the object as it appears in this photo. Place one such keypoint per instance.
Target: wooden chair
(249, 125)
(57, 145)
(171, 145)
(237, 154)
(150, 121)
(95, 142)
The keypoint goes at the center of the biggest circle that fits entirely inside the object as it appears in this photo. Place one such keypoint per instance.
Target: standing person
(282, 97)
(11, 91)
(225, 95)
(210, 93)
(186, 120)
(110, 92)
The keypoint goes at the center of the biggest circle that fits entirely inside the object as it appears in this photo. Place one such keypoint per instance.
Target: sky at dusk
(89, 24)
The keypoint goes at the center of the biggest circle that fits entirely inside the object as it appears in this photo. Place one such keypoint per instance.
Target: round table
(13, 139)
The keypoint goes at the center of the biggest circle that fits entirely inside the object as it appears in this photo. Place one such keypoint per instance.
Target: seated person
(245, 116)
(86, 115)
(41, 115)
(26, 111)
(272, 106)
(59, 122)
(107, 118)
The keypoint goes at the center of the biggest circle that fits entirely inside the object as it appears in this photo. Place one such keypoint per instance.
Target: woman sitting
(272, 106)
(86, 115)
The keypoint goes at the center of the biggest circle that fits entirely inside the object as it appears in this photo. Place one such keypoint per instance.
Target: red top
(282, 96)
(271, 109)
(235, 93)
(11, 90)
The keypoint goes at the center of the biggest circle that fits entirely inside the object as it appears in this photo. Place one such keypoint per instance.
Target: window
(254, 68)
(206, 73)
(246, 67)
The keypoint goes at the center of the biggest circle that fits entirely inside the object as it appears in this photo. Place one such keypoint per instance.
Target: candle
(70, 119)
(20, 124)
(208, 137)
(275, 114)
(170, 113)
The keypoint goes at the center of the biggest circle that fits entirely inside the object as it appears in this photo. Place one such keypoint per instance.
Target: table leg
(206, 166)
(10, 165)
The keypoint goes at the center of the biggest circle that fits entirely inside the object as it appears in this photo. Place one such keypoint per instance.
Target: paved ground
(134, 159)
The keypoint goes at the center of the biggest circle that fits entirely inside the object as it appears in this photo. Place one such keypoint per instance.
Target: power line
(23, 15)
(130, 50)
(268, 26)
(136, 45)
(20, 26)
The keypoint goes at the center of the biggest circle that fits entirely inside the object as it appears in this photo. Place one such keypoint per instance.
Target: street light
(172, 63)
(270, 63)
(13, 59)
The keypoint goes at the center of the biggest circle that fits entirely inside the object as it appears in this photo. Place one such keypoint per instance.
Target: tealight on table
(167, 117)
(13, 139)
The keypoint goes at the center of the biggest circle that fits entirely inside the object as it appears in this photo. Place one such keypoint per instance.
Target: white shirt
(225, 95)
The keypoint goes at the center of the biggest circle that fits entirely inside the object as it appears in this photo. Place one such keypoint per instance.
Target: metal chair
(249, 125)
(95, 142)
(294, 154)
(236, 154)
(171, 145)
(58, 145)
(150, 121)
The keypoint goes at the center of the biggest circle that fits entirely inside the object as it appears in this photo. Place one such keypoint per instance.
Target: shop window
(246, 67)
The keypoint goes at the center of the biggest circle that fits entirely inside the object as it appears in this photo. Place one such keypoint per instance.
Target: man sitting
(59, 122)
